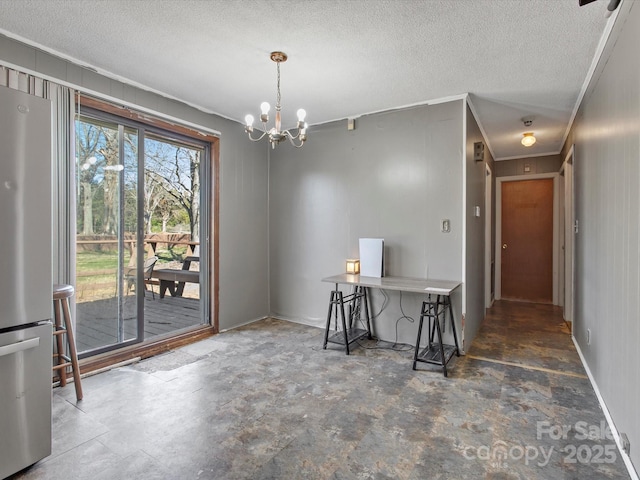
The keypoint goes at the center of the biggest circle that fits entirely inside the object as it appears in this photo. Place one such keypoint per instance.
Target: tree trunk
(194, 217)
(87, 210)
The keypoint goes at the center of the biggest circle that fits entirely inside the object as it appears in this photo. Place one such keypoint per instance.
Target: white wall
(607, 185)
(395, 176)
(243, 180)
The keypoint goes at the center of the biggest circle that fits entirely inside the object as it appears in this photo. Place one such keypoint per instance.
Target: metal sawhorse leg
(436, 352)
(350, 331)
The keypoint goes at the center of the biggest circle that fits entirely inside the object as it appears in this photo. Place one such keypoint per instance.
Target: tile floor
(267, 402)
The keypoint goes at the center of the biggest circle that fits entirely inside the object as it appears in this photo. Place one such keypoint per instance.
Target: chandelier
(276, 134)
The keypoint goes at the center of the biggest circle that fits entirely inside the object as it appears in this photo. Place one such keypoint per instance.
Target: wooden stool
(63, 326)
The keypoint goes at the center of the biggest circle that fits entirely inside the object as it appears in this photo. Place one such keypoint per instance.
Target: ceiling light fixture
(527, 138)
(276, 134)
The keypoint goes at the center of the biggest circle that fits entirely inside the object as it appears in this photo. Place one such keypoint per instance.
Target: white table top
(405, 284)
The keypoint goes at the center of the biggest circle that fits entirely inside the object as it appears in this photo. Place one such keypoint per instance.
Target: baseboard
(301, 321)
(249, 322)
(493, 300)
(616, 436)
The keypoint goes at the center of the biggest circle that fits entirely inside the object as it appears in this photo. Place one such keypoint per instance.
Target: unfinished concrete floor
(267, 402)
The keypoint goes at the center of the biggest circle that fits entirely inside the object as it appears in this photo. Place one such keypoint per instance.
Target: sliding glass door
(140, 268)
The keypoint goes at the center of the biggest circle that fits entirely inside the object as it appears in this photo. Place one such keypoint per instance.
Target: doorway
(142, 208)
(527, 238)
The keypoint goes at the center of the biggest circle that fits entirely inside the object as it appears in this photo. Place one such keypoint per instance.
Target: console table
(434, 309)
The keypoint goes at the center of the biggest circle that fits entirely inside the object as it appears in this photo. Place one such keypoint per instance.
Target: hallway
(265, 401)
(531, 335)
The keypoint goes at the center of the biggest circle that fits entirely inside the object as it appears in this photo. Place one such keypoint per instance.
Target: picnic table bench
(173, 279)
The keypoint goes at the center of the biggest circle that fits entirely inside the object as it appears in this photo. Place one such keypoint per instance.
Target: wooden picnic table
(174, 280)
(154, 243)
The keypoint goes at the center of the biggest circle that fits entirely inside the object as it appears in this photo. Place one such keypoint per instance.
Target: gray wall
(607, 169)
(243, 181)
(395, 176)
(545, 164)
(475, 243)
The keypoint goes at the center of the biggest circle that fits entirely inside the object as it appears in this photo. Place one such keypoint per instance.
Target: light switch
(476, 211)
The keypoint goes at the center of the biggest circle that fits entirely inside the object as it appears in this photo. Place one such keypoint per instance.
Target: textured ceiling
(346, 57)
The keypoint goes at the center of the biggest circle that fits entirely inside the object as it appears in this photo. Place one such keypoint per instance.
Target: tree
(171, 180)
(166, 208)
(176, 169)
(109, 150)
(153, 192)
(88, 136)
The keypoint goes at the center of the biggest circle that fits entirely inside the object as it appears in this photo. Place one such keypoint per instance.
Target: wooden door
(527, 240)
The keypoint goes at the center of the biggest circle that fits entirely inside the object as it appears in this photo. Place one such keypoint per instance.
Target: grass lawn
(96, 271)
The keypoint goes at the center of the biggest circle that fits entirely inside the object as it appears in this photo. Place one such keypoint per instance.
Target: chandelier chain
(278, 96)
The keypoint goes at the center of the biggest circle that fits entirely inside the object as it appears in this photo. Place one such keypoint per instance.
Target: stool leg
(72, 350)
(62, 372)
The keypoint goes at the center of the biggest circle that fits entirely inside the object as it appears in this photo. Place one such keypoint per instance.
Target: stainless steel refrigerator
(25, 280)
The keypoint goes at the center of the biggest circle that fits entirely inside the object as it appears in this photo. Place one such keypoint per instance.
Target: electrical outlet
(445, 226)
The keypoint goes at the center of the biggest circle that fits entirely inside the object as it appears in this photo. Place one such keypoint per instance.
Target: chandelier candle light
(276, 134)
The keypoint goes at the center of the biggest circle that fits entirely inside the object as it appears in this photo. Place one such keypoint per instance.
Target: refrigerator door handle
(19, 346)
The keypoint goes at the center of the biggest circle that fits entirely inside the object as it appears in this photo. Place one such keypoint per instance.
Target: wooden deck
(97, 326)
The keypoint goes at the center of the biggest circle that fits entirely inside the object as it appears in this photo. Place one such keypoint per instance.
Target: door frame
(556, 224)
(568, 234)
(488, 247)
(209, 253)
